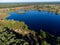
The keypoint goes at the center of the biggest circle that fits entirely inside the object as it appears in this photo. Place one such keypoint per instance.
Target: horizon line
(29, 2)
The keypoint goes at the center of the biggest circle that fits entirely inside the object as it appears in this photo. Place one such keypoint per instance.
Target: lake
(36, 20)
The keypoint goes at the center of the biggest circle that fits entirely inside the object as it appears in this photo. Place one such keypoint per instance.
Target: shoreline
(45, 7)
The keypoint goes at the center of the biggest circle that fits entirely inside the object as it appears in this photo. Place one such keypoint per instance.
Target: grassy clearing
(17, 26)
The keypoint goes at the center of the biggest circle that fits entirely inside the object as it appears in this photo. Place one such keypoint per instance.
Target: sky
(29, 0)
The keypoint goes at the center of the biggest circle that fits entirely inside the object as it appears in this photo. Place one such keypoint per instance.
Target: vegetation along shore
(17, 33)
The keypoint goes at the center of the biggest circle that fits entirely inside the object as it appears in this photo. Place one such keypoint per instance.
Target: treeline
(9, 36)
(11, 5)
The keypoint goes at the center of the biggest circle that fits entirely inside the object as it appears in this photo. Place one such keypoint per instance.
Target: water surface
(36, 20)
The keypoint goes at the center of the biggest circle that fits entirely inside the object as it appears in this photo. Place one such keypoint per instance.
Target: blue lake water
(36, 20)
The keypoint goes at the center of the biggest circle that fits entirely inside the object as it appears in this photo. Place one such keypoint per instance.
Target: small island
(21, 11)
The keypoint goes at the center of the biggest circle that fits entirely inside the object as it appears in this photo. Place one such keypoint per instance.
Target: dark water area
(36, 20)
